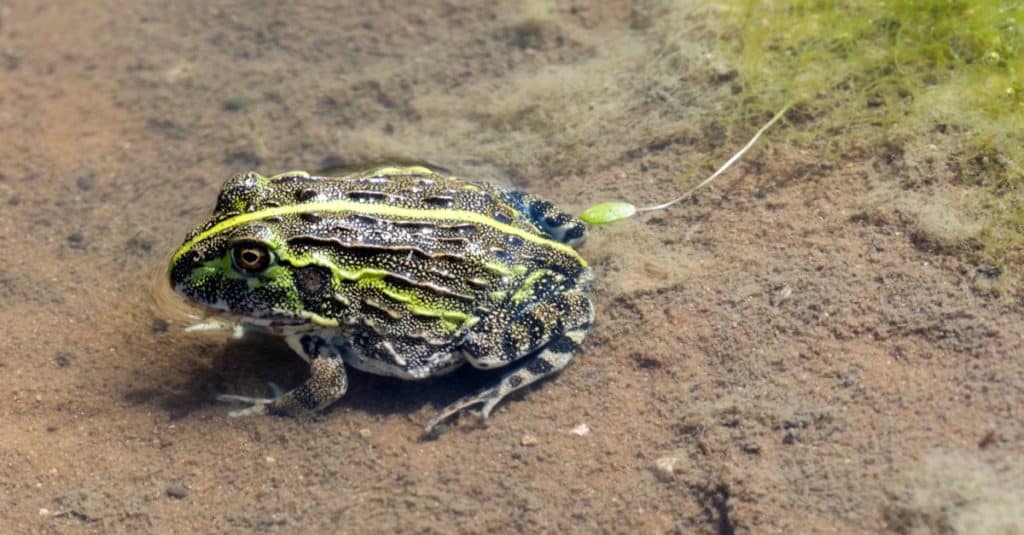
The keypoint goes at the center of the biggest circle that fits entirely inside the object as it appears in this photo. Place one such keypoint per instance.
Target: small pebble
(76, 240)
(580, 430)
(665, 467)
(84, 182)
(236, 102)
(365, 433)
(159, 325)
(177, 492)
(529, 441)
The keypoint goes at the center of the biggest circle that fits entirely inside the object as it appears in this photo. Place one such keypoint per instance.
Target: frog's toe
(551, 359)
(327, 383)
(489, 403)
(257, 406)
(487, 397)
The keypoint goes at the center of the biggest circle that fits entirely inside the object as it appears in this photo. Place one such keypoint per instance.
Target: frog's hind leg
(327, 383)
(560, 339)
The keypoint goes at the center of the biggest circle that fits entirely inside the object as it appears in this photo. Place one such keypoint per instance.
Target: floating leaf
(608, 212)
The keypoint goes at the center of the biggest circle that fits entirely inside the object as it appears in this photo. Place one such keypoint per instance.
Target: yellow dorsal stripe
(381, 210)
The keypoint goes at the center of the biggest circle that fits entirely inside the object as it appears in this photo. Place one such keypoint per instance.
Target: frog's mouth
(263, 318)
(241, 326)
(277, 318)
(279, 323)
(285, 324)
(237, 311)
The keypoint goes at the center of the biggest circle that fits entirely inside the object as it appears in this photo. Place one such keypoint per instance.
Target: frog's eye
(250, 258)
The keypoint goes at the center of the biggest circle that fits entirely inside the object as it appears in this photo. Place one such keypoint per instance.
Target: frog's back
(412, 187)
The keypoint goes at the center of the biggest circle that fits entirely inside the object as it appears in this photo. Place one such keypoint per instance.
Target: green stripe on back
(382, 210)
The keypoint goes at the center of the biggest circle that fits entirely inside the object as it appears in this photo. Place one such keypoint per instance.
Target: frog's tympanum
(399, 271)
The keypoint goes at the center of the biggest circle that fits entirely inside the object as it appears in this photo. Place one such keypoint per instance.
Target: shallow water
(762, 360)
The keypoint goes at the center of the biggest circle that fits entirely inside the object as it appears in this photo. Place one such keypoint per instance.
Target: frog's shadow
(247, 367)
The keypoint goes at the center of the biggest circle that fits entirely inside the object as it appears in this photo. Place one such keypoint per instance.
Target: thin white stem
(724, 166)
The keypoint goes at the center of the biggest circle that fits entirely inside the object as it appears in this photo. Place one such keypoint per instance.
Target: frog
(404, 271)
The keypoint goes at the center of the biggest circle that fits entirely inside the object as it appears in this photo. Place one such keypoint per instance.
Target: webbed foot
(257, 406)
(487, 397)
(549, 361)
(327, 383)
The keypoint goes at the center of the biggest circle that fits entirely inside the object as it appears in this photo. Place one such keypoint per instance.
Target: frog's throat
(340, 206)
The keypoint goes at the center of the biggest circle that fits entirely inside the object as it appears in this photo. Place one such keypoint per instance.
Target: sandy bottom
(783, 354)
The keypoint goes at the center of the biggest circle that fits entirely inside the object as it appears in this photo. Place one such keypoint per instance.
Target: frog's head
(237, 274)
(239, 262)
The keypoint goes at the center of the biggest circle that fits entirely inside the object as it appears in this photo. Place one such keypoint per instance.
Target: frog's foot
(456, 407)
(549, 361)
(257, 406)
(326, 384)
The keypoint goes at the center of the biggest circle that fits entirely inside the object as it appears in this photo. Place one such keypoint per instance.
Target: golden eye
(250, 257)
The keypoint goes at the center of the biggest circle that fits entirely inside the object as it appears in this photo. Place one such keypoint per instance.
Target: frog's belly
(436, 365)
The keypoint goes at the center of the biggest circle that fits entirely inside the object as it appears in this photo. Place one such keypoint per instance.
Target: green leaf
(608, 212)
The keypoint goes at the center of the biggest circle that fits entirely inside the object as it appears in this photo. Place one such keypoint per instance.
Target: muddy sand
(786, 353)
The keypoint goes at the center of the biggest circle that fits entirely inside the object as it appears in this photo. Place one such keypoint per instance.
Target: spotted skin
(548, 351)
(398, 271)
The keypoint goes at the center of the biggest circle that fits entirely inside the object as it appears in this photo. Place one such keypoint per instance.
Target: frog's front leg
(327, 382)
